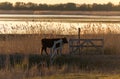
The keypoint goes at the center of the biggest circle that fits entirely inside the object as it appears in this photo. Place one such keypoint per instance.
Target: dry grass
(81, 76)
(31, 42)
(56, 74)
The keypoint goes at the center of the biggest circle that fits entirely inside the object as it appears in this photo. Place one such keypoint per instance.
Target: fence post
(79, 39)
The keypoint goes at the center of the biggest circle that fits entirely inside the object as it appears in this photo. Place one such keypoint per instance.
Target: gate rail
(75, 44)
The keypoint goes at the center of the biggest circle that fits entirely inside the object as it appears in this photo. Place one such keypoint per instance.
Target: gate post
(79, 30)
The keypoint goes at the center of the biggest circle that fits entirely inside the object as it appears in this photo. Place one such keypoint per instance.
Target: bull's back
(49, 42)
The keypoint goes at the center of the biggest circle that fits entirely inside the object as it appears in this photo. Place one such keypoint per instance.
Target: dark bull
(48, 43)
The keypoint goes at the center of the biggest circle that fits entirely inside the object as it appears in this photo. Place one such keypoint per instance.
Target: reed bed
(59, 73)
(26, 37)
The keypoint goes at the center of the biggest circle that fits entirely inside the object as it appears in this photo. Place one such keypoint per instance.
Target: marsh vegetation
(24, 37)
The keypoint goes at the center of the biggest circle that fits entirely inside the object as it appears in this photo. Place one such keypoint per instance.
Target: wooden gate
(81, 44)
(77, 45)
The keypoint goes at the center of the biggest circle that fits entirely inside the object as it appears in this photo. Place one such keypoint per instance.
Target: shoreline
(47, 12)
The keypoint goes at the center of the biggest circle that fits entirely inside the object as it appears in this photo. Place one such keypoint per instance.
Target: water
(58, 24)
(19, 17)
(57, 16)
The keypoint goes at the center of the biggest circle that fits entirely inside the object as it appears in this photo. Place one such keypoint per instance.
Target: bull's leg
(42, 51)
(57, 51)
(46, 51)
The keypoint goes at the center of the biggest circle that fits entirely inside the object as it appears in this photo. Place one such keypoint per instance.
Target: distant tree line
(68, 6)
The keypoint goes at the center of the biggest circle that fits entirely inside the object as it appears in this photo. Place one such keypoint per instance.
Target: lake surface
(59, 24)
(19, 17)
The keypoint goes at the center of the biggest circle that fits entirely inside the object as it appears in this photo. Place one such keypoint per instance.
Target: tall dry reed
(30, 40)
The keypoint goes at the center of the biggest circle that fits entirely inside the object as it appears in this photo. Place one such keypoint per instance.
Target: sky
(63, 1)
